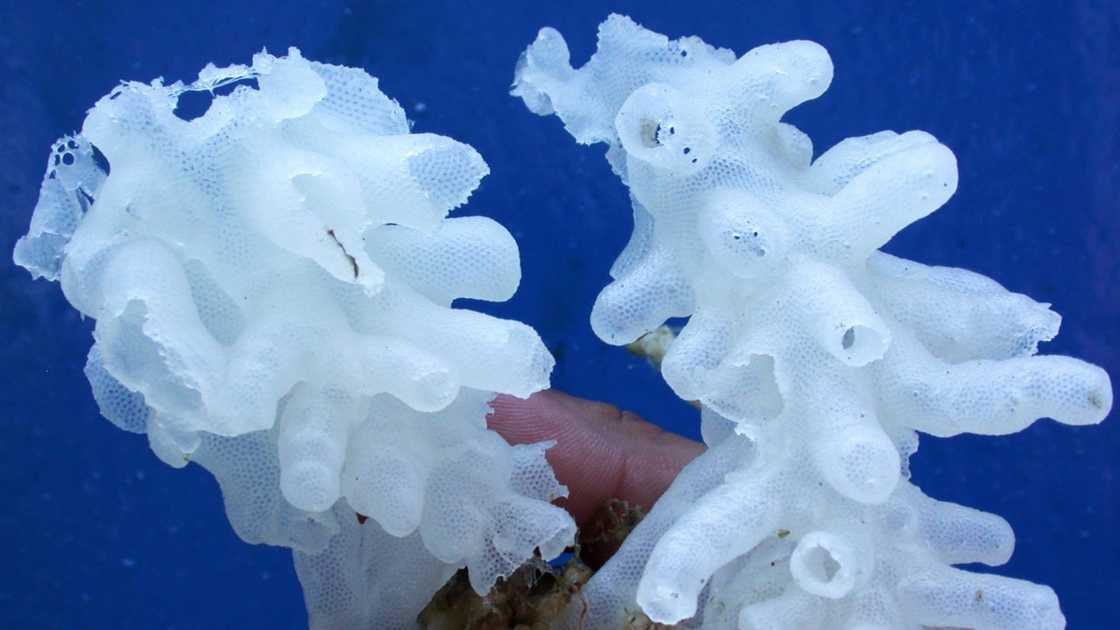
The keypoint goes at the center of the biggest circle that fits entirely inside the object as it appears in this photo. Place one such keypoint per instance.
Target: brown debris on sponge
(538, 595)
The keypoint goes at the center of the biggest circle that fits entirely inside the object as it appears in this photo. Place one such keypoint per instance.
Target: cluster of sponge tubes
(816, 358)
(271, 283)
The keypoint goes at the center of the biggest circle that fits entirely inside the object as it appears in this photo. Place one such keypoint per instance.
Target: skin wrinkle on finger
(600, 453)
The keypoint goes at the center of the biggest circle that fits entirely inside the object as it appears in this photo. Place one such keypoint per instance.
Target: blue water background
(97, 533)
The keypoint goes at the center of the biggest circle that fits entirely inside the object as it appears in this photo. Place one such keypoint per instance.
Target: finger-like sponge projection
(816, 357)
(272, 285)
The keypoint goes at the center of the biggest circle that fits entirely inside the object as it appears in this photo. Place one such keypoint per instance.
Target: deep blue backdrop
(97, 533)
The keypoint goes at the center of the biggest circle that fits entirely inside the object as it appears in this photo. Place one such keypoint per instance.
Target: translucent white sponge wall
(816, 357)
(271, 283)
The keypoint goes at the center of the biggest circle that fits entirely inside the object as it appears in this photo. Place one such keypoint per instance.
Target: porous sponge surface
(272, 285)
(817, 358)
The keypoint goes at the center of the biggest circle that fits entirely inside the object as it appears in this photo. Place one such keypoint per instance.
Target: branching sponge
(816, 358)
(272, 285)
